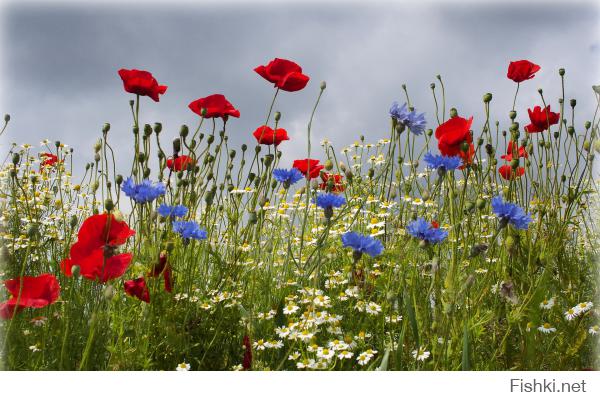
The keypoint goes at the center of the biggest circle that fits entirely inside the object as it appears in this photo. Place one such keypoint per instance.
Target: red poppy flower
(265, 135)
(48, 160)
(180, 163)
(137, 288)
(309, 167)
(216, 106)
(163, 267)
(141, 83)
(285, 74)
(514, 149)
(36, 292)
(522, 70)
(452, 135)
(541, 120)
(508, 173)
(435, 224)
(338, 185)
(94, 251)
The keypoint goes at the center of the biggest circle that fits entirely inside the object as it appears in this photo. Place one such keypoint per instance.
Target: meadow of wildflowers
(449, 244)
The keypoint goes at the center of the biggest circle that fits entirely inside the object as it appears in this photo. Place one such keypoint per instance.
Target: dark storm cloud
(60, 64)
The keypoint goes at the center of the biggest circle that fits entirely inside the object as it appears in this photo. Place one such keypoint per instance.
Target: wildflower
(522, 70)
(547, 303)
(183, 367)
(290, 309)
(284, 74)
(421, 354)
(585, 306)
(214, 106)
(546, 328)
(143, 192)
(541, 120)
(325, 353)
(309, 167)
(507, 172)
(510, 213)
(344, 354)
(594, 330)
(34, 348)
(287, 177)
(163, 267)
(294, 355)
(137, 288)
(180, 163)
(39, 321)
(172, 211)
(29, 292)
(328, 202)
(393, 319)
(141, 83)
(266, 135)
(305, 335)
(336, 181)
(365, 357)
(455, 138)
(415, 122)
(48, 160)
(572, 313)
(513, 150)
(362, 244)
(372, 308)
(189, 230)
(425, 231)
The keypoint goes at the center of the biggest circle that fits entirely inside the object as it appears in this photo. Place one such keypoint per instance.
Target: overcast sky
(59, 64)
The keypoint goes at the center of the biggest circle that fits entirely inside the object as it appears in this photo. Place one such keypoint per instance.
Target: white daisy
(182, 367)
(594, 330)
(546, 328)
(547, 303)
(421, 354)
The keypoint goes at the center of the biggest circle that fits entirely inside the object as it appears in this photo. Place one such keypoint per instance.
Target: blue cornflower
(445, 162)
(143, 192)
(510, 213)
(172, 211)
(189, 230)
(362, 244)
(411, 119)
(328, 202)
(287, 177)
(423, 230)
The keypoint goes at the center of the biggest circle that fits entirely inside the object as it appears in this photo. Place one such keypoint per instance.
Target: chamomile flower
(585, 306)
(183, 367)
(372, 308)
(290, 309)
(325, 353)
(421, 354)
(547, 303)
(344, 354)
(594, 330)
(572, 313)
(546, 328)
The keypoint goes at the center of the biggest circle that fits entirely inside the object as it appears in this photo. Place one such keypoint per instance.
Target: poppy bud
(146, 172)
(487, 98)
(95, 186)
(16, 158)
(561, 72)
(469, 206)
(514, 126)
(514, 163)
(73, 222)
(268, 159)
(432, 85)
(57, 144)
(147, 129)
(97, 157)
(512, 115)
(141, 157)
(109, 292)
(425, 195)
(105, 128)
(323, 85)
(75, 269)
(371, 173)
(453, 112)
(489, 149)
(429, 132)
(540, 91)
(400, 127)
(109, 205)
(6, 118)
(586, 145)
(509, 242)
(571, 130)
(573, 102)
(464, 146)
(277, 116)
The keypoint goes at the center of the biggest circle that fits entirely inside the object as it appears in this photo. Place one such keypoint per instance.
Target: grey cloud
(61, 62)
